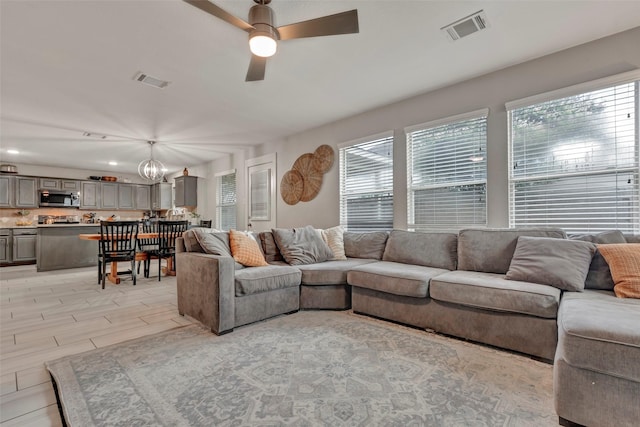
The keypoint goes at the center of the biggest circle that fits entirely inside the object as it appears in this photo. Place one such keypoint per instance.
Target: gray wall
(601, 58)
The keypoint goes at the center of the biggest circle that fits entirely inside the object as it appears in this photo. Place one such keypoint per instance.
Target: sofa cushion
(439, 250)
(214, 243)
(334, 238)
(255, 280)
(600, 333)
(560, 263)
(491, 250)
(330, 272)
(191, 243)
(394, 278)
(365, 245)
(624, 262)
(245, 249)
(302, 245)
(599, 276)
(491, 291)
(269, 247)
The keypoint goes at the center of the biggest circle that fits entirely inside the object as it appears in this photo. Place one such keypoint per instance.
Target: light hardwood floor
(45, 316)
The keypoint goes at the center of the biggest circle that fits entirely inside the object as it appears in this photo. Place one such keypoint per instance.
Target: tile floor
(44, 316)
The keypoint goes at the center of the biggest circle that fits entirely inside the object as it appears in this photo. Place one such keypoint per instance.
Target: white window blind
(366, 185)
(574, 161)
(447, 172)
(226, 201)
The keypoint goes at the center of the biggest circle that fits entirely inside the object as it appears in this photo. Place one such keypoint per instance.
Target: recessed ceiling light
(112, 163)
(13, 152)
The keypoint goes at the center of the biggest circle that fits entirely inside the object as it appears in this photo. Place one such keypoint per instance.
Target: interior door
(261, 200)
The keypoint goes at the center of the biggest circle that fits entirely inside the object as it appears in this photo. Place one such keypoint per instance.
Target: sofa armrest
(206, 289)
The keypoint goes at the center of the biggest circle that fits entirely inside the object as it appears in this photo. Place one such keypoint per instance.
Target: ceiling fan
(263, 34)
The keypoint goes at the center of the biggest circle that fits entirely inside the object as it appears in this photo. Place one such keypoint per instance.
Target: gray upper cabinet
(125, 196)
(26, 192)
(161, 196)
(59, 184)
(70, 185)
(18, 192)
(89, 195)
(109, 195)
(49, 184)
(187, 191)
(142, 197)
(6, 191)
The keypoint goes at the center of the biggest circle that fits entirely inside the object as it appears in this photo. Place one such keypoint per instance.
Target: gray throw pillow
(300, 246)
(599, 276)
(438, 250)
(269, 247)
(191, 244)
(560, 263)
(214, 243)
(365, 245)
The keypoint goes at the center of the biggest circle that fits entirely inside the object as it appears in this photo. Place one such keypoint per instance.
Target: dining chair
(206, 223)
(168, 232)
(117, 243)
(149, 247)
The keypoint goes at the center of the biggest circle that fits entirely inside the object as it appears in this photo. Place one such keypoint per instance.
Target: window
(447, 172)
(574, 160)
(366, 184)
(226, 200)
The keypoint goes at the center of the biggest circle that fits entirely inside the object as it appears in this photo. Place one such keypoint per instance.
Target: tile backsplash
(9, 216)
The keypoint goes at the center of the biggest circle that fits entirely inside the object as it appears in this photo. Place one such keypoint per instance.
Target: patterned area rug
(312, 368)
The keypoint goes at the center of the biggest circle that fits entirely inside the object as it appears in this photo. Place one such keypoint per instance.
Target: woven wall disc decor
(323, 158)
(312, 179)
(291, 187)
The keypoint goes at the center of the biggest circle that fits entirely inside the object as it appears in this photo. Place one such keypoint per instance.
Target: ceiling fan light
(262, 45)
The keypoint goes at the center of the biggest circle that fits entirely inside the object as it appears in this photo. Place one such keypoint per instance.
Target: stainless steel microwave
(59, 199)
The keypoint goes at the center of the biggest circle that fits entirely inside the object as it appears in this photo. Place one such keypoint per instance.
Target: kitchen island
(58, 246)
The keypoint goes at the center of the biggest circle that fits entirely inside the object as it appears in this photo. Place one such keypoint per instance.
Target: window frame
(219, 205)
(433, 124)
(559, 94)
(383, 193)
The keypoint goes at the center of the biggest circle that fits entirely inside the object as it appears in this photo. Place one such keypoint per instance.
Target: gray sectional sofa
(452, 283)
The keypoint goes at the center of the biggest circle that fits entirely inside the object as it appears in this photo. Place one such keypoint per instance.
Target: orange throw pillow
(245, 249)
(624, 263)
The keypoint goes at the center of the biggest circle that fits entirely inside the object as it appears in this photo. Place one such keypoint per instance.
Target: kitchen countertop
(62, 224)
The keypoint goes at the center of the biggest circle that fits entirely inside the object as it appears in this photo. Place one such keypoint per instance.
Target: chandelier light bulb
(152, 170)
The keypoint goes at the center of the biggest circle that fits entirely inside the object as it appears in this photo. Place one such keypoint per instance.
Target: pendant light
(152, 170)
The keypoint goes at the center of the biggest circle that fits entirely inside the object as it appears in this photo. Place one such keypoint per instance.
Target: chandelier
(151, 169)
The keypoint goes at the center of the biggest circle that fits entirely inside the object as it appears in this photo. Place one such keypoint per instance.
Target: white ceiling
(68, 67)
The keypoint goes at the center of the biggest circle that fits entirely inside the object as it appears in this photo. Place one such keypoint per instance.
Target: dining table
(140, 256)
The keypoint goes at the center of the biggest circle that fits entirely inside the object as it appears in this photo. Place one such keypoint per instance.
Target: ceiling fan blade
(220, 13)
(257, 67)
(340, 23)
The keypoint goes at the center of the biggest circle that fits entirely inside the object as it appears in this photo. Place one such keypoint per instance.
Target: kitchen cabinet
(26, 194)
(125, 196)
(59, 184)
(187, 191)
(161, 196)
(142, 198)
(108, 195)
(5, 245)
(89, 195)
(24, 244)
(6, 191)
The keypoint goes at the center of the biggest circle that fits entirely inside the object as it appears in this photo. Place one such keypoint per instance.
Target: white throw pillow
(334, 238)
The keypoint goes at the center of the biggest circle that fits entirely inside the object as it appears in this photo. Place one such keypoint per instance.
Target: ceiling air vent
(466, 26)
(151, 81)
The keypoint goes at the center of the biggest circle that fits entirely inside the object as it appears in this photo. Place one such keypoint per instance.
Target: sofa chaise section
(597, 362)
